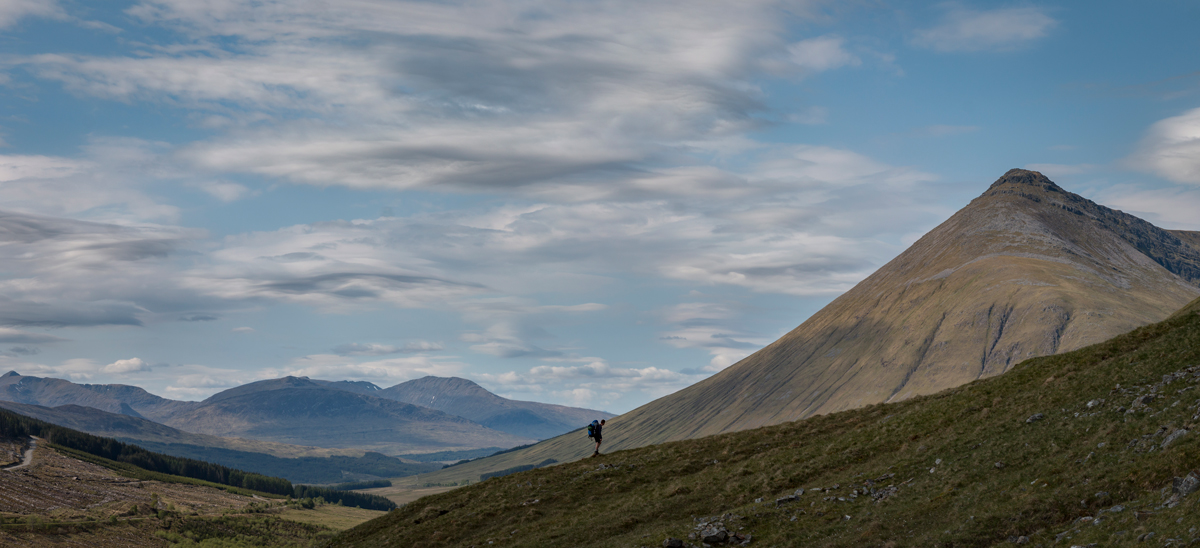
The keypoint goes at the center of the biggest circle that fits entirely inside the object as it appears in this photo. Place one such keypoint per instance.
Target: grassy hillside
(970, 466)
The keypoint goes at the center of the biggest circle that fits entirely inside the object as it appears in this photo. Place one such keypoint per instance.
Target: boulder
(1187, 485)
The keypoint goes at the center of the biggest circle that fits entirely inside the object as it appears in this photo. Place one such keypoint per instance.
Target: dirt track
(28, 458)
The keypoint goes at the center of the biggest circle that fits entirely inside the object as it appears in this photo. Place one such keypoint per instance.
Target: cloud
(198, 318)
(243, 330)
(12, 11)
(1002, 29)
(196, 382)
(469, 95)
(17, 167)
(224, 191)
(383, 372)
(713, 327)
(1171, 207)
(1171, 148)
(65, 272)
(14, 336)
(360, 349)
(131, 365)
(822, 53)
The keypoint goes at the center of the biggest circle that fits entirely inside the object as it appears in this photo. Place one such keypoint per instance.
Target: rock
(1034, 418)
(999, 465)
(1142, 401)
(1117, 509)
(799, 492)
(1174, 436)
(1186, 486)
(786, 500)
(672, 543)
(1094, 403)
(758, 500)
(1022, 540)
(714, 535)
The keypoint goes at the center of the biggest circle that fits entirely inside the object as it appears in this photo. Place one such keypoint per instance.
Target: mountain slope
(1043, 452)
(466, 399)
(1026, 269)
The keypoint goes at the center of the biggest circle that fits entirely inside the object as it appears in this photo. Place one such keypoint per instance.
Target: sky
(590, 203)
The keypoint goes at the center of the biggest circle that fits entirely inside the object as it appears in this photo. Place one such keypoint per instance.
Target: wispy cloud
(963, 29)
(12, 11)
(1171, 148)
(365, 349)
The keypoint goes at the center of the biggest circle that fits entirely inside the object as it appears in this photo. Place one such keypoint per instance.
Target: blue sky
(586, 203)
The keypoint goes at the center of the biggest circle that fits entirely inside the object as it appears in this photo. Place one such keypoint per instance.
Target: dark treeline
(368, 484)
(345, 498)
(13, 425)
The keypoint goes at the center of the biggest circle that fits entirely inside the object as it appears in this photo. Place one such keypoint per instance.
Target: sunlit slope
(1067, 450)
(1026, 269)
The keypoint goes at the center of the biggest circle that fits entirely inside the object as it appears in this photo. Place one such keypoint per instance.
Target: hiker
(596, 432)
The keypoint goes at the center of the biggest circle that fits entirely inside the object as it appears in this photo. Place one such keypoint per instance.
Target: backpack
(592, 429)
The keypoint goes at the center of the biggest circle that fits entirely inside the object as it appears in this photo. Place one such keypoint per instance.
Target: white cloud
(243, 330)
(12, 11)
(361, 349)
(196, 382)
(224, 191)
(475, 94)
(823, 53)
(384, 372)
(1171, 148)
(963, 29)
(132, 365)
(1172, 207)
(14, 167)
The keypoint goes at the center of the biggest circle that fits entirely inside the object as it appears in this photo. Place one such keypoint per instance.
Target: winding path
(28, 455)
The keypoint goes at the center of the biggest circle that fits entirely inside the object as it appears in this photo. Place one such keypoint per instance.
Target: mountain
(299, 411)
(113, 398)
(290, 410)
(1026, 269)
(142, 431)
(1094, 447)
(467, 399)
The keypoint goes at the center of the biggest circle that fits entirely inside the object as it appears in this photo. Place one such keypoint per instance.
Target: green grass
(1054, 471)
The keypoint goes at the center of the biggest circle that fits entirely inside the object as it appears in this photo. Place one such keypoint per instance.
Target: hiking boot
(596, 454)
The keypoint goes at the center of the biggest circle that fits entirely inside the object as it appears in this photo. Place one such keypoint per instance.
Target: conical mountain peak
(1027, 269)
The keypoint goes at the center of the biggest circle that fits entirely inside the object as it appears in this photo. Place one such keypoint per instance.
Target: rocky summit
(1026, 269)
